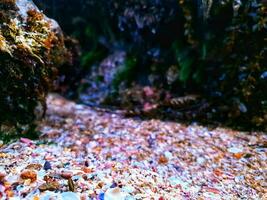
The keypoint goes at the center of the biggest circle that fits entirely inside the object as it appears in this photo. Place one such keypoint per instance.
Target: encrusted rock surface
(32, 49)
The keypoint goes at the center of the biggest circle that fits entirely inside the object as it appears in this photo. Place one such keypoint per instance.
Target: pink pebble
(26, 141)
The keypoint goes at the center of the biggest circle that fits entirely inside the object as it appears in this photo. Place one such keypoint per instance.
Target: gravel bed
(85, 153)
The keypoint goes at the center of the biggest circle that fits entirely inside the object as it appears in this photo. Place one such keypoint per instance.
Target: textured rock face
(32, 49)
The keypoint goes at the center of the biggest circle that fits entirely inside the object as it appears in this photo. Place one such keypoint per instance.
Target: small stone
(100, 185)
(85, 177)
(36, 198)
(218, 172)
(163, 160)
(66, 175)
(47, 165)
(86, 163)
(83, 197)
(101, 196)
(238, 155)
(9, 193)
(34, 166)
(86, 170)
(71, 185)
(26, 141)
(3, 155)
(29, 174)
(114, 185)
(2, 176)
(52, 186)
(27, 182)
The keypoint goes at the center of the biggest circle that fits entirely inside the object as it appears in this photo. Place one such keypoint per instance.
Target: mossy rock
(32, 49)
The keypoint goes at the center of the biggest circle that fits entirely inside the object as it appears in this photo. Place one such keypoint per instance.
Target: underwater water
(137, 99)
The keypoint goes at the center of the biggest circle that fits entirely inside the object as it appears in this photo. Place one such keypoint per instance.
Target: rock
(66, 175)
(87, 170)
(32, 49)
(29, 174)
(2, 177)
(34, 166)
(51, 186)
(26, 141)
(163, 160)
(71, 185)
(86, 163)
(47, 165)
(101, 196)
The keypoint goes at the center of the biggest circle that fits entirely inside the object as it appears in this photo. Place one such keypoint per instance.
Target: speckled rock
(32, 48)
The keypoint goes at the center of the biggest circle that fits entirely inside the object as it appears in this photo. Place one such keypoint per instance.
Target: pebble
(29, 174)
(51, 186)
(47, 165)
(2, 177)
(87, 170)
(66, 175)
(26, 141)
(101, 196)
(34, 166)
(163, 160)
(71, 185)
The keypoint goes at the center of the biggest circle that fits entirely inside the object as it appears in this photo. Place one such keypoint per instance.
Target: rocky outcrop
(32, 49)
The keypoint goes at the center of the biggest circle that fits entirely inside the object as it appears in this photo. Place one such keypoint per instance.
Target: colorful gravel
(85, 153)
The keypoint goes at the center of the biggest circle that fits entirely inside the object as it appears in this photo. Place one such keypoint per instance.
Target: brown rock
(71, 185)
(52, 186)
(238, 155)
(34, 166)
(29, 174)
(163, 160)
(2, 176)
(87, 170)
